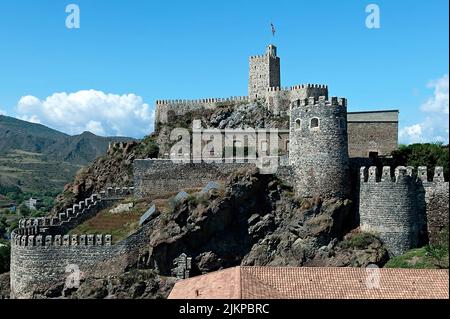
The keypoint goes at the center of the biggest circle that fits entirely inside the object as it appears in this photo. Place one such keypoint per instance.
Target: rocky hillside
(253, 220)
(112, 169)
(256, 220)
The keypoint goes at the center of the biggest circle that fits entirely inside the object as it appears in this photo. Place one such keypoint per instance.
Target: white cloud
(434, 127)
(438, 103)
(2, 112)
(89, 110)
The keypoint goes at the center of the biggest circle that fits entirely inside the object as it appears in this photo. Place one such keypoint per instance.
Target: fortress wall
(304, 91)
(165, 109)
(367, 137)
(74, 215)
(154, 177)
(40, 250)
(433, 201)
(388, 207)
(277, 100)
(437, 211)
(39, 263)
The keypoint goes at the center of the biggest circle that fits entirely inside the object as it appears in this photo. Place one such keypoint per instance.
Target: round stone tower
(318, 148)
(388, 207)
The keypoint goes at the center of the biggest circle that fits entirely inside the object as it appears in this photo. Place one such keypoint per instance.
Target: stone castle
(328, 148)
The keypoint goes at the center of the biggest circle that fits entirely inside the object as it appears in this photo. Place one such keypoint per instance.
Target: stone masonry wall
(388, 207)
(165, 109)
(157, 177)
(41, 251)
(264, 72)
(319, 154)
(435, 203)
(39, 263)
(278, 99)
(372, 137)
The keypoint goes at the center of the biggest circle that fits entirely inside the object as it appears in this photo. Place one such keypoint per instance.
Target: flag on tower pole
(273, 29)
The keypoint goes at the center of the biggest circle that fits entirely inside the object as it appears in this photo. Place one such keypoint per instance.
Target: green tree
(429, 155)
(148, 148)
(24, 210)
(3, 227)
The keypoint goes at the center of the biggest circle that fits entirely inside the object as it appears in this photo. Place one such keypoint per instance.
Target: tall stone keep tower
(264, 73)
(318, 148)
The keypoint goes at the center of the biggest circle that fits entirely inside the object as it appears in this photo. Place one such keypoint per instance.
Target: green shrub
(148, 148)
(359, 240)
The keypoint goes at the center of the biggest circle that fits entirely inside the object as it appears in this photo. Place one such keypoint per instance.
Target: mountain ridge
(31, 153)
(80, 149)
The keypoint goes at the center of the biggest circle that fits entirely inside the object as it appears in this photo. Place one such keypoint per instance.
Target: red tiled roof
(315, 283)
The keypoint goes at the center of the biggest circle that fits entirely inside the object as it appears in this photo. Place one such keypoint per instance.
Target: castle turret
(264, 73)
(388, 207)
(318, 148)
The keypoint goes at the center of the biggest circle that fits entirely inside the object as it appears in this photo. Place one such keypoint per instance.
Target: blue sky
(127, 54)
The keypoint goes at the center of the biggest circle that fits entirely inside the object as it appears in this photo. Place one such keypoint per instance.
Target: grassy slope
(430, 257)
(31, 172)
(119, 225)
(420, 258)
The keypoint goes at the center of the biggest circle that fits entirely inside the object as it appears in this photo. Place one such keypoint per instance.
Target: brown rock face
(256, 221)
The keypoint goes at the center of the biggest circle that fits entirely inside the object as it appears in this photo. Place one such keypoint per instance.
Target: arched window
(298, 124)
(314, 123)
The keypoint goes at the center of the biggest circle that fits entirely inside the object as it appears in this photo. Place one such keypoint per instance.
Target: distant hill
(80, 149)
(34, 157)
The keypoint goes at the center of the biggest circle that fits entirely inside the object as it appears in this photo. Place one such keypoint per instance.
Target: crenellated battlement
(203, 101)
(70, 217)
(259, 56)
(321, 101)
(400, 173)
(308, 86)
(396, 203)
(60, 240)
(277, 89)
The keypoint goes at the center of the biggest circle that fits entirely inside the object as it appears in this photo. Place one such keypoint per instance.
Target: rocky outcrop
(136, 284)
(113, 169)
(257, 221)
(250, 115)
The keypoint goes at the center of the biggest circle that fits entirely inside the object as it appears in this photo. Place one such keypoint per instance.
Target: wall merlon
(319, 101)
(61, 240)
(401, 173)
(386, 175)
(70, 211)
(438, 174)
(422, 173)
(373, 172)
(410, 171)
